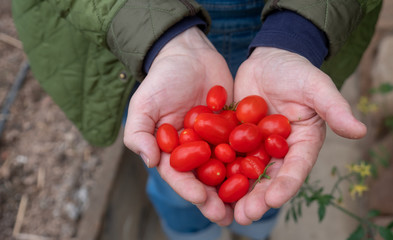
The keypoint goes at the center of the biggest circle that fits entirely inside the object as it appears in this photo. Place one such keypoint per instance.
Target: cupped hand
(291, 86)
(179, 79)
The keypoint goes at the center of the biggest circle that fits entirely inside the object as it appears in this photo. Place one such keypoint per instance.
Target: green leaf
(287, 216)
(389, 122)
(386, 233)
(390, 225)
(358, 234)
(294, 215)
(333, 171)
(373, 213)
(299, 209)
(321, 212)
(385, 88)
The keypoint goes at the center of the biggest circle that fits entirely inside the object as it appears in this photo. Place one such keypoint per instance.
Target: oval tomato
(252, 167)
(276, 146)
(234, 188)
(245, 137)
(167, 137)
(275, 124)
(260, 153)
(191, 115)
(212, 172)
(224, 152)
(251, 109)
(216, 98)
(230, 115)
(188, 135)
(213, 128)
(189, 156)
(233, 167)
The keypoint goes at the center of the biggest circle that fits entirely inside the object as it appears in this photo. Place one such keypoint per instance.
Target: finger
(139, 136)
(334, 109)
(253, 206)
(183, 183)
(214, 209)
(297, 164)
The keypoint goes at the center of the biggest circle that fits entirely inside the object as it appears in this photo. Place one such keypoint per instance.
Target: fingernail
(145, 159)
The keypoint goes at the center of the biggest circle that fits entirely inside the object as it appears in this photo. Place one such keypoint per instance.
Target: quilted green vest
(88, 54)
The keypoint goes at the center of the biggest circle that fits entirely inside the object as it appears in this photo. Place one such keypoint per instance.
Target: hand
(179, 78)
(291, 86)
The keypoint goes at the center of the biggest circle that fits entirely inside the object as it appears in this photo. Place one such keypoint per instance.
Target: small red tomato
(216, 98)
(213, 128)
(188, 135)
(233, 167)
(245, 137)
(189, 156)
(251, 109)
(230, 115)
(260, 153)
(276, 146)
(234, 188)
(212, 172)
(275, 124)
(224, 152)
(167, 137)
(191, 115)
(252, 167)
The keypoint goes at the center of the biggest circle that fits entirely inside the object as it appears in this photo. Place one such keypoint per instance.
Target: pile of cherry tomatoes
(225, 146)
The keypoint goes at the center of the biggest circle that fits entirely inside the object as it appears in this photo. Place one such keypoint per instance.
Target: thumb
(139, 138)
(335, 110)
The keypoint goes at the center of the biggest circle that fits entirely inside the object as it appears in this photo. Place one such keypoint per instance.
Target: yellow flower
(363, 169)
(358, 189)
(364, 105)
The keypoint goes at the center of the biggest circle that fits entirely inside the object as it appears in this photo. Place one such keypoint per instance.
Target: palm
(292, 87)
(178, 79)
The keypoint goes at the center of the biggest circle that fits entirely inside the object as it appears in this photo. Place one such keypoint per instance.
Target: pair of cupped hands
(179, 79)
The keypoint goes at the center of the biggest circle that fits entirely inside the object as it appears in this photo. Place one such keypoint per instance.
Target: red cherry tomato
(260, 153)
(224, 152)
(191, 115)
(234, 188)
(213, 128)
(188, 135)
(245, 137)
(275, 124)
(189, 156)
(251, 109)
(167, 137)
(233, 167)
(252, 167)
(212, 172)
(216, 98)
(230, 115)
(276, 146)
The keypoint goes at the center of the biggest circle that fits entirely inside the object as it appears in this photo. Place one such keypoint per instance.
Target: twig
(11, 41)
(20, 78)
(40, 178)
(20, 215)
(26, 236)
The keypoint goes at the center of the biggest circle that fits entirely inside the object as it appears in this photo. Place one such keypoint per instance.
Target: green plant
(356, 175)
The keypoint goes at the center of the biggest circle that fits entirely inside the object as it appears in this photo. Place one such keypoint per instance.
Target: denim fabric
(234, 25)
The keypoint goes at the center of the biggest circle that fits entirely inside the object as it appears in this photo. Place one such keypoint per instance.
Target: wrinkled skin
(180, 77)
(292, 86)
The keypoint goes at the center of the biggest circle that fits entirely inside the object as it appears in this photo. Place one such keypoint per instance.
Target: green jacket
(88, 54)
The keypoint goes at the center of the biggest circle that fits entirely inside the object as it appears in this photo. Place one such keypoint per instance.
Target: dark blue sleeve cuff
(172, 32)
(289, 31)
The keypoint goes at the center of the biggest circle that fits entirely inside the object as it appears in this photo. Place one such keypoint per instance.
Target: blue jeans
(234, 25)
